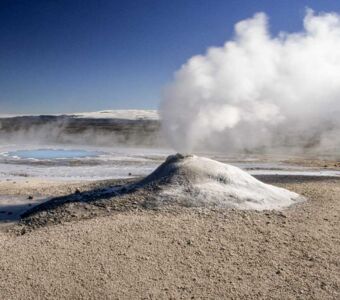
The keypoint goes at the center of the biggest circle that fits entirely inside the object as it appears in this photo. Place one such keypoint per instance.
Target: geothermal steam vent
(198, 181)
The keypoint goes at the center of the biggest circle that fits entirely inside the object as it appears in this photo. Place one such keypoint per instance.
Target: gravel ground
(183, 253)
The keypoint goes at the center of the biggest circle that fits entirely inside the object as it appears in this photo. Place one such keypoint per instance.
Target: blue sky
(67, 56)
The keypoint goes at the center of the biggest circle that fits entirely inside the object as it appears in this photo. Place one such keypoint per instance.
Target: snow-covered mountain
(126, 114)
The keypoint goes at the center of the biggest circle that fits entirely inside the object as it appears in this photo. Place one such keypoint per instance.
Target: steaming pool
(79, 163)
(42, 154)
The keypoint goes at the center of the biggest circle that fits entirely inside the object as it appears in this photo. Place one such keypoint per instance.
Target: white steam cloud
(260, 91)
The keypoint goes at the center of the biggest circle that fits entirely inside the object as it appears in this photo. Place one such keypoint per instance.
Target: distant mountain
(106, 128)
(124, 114)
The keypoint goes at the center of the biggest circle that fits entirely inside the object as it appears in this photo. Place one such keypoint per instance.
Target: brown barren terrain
(183, 253)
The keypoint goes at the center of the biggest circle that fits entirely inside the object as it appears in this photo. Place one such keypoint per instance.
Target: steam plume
(260, 91)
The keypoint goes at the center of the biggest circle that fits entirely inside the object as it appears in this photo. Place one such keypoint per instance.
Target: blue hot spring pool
(53, 154)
